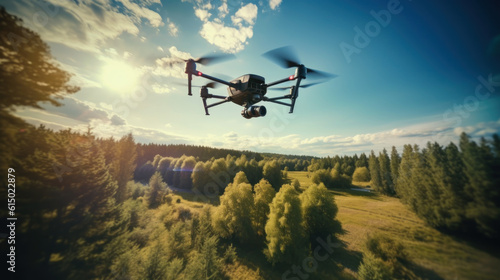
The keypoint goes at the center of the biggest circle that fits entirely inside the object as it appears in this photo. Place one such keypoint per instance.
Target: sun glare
(119, 76)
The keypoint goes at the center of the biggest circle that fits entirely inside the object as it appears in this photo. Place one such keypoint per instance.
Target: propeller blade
(301, 86)
(209, 85)
(212, 85)
(169, 62)
(320, 74)
(284, 57)
(216, 58)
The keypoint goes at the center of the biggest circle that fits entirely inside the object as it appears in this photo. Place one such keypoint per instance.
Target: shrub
(361, 174)
(384, 258)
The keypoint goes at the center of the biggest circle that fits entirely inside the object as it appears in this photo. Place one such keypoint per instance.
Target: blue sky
(408, 71)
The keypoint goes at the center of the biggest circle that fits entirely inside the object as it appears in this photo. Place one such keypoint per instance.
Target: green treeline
(145, 152)
(213, 175)
(453, 188)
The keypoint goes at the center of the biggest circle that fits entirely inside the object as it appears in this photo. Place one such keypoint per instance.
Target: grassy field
(433, 255)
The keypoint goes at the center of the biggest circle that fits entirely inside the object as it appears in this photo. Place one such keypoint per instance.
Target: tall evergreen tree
(123, 165)
(72, 189)
(362, 161)
(374, 166)
(453, 197)
(395, 161)
(157, 189)
(484, 198)
(404, 174)
(387, 186)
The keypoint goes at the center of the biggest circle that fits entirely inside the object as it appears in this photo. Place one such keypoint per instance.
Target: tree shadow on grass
(419, 272)
(350, 192)
(347, 258)
(484, 244)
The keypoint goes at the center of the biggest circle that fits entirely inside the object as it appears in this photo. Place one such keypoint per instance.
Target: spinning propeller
(205, 60)
(301, 86)
(287, 58)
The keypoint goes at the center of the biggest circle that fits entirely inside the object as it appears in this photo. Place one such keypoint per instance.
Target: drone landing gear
(293, 95)
(205, 95)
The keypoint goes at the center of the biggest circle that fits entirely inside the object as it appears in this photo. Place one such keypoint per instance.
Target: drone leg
(205, 106)
(190, 77)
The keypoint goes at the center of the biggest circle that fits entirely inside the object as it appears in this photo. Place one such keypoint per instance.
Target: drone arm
(291, 78)
(200, 74)
(277, 98)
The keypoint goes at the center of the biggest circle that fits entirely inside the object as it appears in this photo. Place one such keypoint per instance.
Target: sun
(119, 76)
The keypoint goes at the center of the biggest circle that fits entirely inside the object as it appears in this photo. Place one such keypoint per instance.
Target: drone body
(250, 89)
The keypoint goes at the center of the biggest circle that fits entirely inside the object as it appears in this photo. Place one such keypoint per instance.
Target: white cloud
(274, 4)
(203, 15)
(142, 12)
(419, 134)
(74, 110)
(127, 55)
(223, 10)
(228, 39)
(230, 36)
(79, 79)
(172, 28)
(169, 66)
(161, 89)
(247, 13)
(87, 25)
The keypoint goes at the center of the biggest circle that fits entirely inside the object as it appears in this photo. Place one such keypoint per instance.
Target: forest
(89, 207)
(89, 211)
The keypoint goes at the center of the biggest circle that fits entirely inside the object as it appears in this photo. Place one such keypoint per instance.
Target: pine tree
(362, 161)
(387, 186)
(483, 196)
(395, 162)
(375, 172)
(436, 182)
(157, 189)
(404, 174)
(206, 264)
(123, 165)
(71, 172)
(453, 197)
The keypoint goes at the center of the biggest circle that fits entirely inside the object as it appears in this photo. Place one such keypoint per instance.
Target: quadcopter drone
(250, 89)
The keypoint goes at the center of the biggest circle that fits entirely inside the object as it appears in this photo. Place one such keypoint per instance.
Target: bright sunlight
(119, 76)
